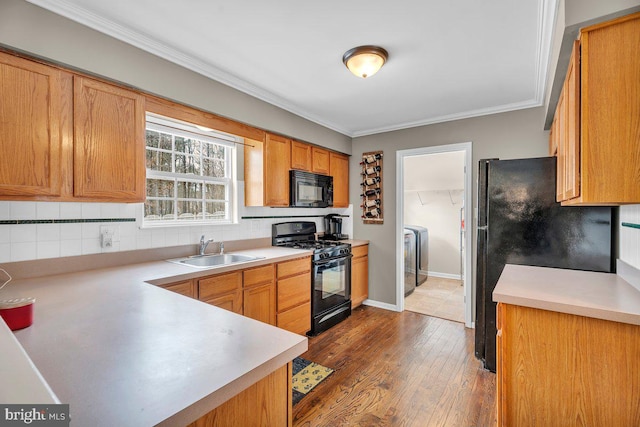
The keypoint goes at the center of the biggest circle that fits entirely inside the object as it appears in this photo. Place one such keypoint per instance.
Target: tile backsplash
(630, 237)
(22, 242)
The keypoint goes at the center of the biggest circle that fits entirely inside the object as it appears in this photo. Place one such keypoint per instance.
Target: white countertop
(124, 352)
(599, 295)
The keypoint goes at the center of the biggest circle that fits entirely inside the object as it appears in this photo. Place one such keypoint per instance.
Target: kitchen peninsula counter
(124, 352)
(584, 293)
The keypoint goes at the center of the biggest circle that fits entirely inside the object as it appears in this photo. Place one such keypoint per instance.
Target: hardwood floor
(397, 369)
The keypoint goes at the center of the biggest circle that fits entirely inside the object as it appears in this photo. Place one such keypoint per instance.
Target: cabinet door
(300, 156)
(572, 126)
(560, 133)
(339, 167)
(296, 320)
(260, 303)
(109, 142)
(320, 160)
(231, 301)
(277, 159)
(359, 280)
(186, 288)
(35, 109)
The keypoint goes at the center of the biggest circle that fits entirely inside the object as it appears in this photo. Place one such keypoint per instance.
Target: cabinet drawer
(256, 276)
(214, 286)
(294, 291)
(231, 301)
(185, 288)
(296, 266)
(296, 320)
(358, 251)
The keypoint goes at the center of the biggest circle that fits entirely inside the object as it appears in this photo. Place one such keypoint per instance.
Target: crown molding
(546, 15)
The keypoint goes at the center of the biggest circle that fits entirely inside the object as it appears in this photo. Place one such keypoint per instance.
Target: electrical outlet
(108, 236)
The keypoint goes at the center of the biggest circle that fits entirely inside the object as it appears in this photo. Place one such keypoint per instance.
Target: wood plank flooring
(397, 369)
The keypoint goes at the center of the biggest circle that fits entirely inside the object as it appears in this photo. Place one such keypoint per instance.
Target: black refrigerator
(520, 222)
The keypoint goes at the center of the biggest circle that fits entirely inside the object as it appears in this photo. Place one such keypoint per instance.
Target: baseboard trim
(445, 275)
(379, 304)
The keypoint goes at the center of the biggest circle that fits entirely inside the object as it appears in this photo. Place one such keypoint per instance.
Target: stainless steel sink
(206, 261)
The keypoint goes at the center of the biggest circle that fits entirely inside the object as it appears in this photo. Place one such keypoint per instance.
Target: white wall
(435, 211)
(629, 245)
(24, 242)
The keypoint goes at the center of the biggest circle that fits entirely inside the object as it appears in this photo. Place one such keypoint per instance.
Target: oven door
(331, 283)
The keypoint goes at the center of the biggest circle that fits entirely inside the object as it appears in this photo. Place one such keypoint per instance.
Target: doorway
(434, 204)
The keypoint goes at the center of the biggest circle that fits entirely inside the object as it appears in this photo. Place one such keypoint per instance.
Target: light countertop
(599, 295)
(124, 352)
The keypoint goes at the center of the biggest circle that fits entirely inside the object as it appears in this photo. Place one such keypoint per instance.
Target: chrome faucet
(221, 248)
(204, 244)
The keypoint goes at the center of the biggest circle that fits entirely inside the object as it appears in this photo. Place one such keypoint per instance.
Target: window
(190, 174)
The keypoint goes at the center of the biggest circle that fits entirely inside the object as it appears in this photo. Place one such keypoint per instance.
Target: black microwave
(310, 190)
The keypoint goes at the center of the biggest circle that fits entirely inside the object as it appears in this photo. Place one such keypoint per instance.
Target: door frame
(468, 218)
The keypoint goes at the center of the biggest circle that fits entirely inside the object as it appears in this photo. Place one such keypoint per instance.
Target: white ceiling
(447, 59)
(434, 172)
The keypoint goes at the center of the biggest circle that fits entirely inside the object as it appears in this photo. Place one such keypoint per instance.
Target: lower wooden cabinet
(359, 275)
(187, 288)
(265, 403)
(259, 299)
(277, 294)
(557, 369)
(294, 295)
(222, 290)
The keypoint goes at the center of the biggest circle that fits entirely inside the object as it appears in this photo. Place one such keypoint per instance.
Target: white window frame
(187, 130)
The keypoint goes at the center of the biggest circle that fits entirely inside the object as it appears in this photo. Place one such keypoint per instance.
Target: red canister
(17, 313)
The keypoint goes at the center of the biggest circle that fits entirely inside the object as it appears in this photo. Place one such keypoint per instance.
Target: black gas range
(331, 272)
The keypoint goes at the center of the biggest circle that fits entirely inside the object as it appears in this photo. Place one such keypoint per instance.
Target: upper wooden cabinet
(266, 171)
(109, 142)
(319, 160)
(599, 135)
(300, 156)
(339, 170)
(35, 119)
(67, 137)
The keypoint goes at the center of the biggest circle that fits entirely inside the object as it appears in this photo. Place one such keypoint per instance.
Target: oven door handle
(333, 260)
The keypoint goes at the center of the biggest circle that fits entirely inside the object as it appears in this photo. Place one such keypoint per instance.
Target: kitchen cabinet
(109, 142)
(259, 294)
(359, 275)
(320, 161)
(293, 300)
(187, 288)
(74, 138)
(300, 156)
(599, 141)
(222, 290)
(35, 112)
(553, 367)
(266, 171)
(339, 170)
(265, 403)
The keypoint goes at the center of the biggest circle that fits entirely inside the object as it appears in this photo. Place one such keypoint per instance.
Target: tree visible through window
(189, 173)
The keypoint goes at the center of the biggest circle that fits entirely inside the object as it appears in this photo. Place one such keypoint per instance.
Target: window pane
(215, 210)
(186, 164)
(213, 150)
(158, 209)
(189, 190)
(215, 192)
(214, 168)
(187, 146)
(153, 138)
(158, 160)
(165, 142)
(189, 209)
(160, 188)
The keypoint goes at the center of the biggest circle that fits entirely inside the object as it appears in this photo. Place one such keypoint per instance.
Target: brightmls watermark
(34, 415)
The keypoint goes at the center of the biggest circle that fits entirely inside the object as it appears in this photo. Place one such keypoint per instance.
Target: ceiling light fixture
(365, 61)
